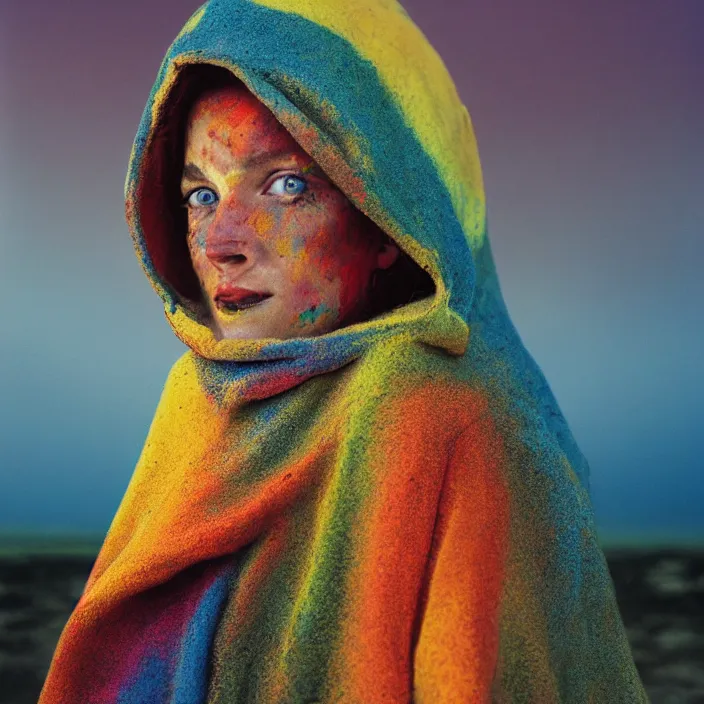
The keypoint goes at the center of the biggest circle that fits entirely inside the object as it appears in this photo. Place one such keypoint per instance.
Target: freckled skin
(314, 252)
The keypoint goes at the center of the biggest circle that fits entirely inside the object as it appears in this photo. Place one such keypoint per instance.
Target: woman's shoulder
(412, 379)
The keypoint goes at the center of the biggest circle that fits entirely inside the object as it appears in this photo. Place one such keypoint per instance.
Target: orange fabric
(395, 511)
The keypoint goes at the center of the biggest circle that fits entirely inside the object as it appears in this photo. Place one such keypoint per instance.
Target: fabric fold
(395, 511)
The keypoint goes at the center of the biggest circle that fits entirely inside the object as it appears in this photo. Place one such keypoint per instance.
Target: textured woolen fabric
(392, 512)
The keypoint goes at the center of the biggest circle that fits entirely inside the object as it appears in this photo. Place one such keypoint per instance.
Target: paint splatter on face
(279, 251)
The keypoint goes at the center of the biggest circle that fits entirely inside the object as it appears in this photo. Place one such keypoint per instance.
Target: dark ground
(660, 594)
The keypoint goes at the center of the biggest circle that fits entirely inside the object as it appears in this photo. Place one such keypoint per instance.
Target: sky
(588, 117)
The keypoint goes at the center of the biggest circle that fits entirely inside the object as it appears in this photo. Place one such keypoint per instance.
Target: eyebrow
(193, 173)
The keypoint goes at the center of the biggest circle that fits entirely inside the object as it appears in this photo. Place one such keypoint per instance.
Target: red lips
(236, 298)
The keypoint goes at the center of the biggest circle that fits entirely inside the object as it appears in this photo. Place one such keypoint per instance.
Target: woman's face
(279, 251)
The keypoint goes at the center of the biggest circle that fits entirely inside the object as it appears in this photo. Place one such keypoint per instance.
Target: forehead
(233, 121)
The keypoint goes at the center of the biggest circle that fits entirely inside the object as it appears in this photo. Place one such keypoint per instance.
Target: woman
(357, 486)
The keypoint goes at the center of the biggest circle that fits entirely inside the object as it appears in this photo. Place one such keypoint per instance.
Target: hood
(362, 91)
(413, 525)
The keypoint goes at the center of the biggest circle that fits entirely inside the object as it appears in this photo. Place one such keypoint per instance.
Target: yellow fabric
(392, 512)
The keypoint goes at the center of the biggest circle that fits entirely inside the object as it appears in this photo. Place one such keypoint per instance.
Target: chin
(243, 332)
(252, 330)
(259, 332)
(253, 324)
(262, 325)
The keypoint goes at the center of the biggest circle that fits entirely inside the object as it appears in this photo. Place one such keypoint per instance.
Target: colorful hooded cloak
(392, 512)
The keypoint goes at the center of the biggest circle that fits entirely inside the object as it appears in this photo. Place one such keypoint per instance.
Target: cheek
(263, 223)
(346, 255)
(329, 268)
(324, 255)
(315, 236)
(196, 231)
(196, 249)
(311, 282)
(305, 251)
(196, 242)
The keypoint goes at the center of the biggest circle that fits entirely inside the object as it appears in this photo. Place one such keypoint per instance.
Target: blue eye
(202, 198)
(288, 186)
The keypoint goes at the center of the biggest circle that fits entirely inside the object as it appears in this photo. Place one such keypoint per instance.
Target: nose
(225, 252)
(228, 242)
